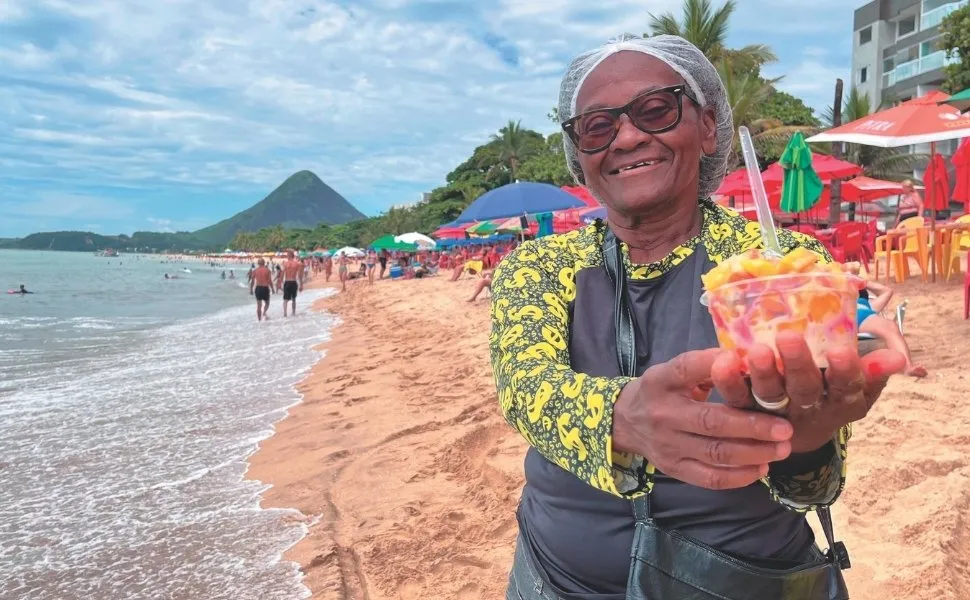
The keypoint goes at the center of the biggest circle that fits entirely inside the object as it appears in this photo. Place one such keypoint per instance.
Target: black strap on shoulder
(626, 340)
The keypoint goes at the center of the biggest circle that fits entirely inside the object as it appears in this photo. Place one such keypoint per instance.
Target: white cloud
(127, 91)
(48, 135)
(11, 10)
(59, 205)
(230, 97)
(813, 81)
(26, 56)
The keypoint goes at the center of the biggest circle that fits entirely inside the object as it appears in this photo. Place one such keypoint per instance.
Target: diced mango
(759, 267)
(800, 260)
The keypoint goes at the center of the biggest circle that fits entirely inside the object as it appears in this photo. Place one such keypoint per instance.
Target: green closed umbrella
(802, 187)
(959, 101)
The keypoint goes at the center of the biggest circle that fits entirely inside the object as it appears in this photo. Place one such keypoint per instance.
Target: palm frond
(665, 24)
(760, 53)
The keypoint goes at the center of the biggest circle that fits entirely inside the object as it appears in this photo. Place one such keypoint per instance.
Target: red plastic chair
(847, 242)
(808, 228)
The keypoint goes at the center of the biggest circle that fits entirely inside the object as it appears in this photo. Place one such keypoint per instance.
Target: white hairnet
(690, 63)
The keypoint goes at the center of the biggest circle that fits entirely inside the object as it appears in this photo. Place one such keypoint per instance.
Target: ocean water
(128, 407)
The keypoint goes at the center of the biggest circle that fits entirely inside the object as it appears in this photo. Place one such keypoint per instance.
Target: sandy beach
(401, 459)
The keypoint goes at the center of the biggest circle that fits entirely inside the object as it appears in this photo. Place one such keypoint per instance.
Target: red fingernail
(874, 370)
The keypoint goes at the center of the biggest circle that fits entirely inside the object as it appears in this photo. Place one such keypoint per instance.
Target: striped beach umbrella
(802, 187)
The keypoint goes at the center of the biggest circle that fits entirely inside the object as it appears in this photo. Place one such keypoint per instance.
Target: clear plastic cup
(819, 305)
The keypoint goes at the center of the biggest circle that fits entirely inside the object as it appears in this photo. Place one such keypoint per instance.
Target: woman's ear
(708, 131)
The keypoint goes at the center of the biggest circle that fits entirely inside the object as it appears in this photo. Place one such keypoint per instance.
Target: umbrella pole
(932, 199)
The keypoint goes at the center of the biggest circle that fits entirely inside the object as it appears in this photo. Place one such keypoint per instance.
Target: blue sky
(125, 115)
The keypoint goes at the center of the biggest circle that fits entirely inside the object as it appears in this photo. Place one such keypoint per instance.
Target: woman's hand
(818, 405)
(664, 417)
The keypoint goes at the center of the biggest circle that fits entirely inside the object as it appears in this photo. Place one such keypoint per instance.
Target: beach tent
(350, 252)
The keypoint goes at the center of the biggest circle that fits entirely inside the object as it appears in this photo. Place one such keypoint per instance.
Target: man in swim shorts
(259, 284)
(292, 280)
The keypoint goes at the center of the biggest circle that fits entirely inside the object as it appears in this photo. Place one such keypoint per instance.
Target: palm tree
(745, 93)
(275, 237)
(513, 146)
(707, 29)
(398, 220)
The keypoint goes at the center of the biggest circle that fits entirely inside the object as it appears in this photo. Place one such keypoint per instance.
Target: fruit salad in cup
(752, 298)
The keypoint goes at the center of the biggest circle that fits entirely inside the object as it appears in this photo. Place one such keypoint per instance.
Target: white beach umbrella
(350, 251)
(419, 239)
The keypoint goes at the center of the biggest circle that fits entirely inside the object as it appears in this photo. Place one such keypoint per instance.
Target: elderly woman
(644, 438)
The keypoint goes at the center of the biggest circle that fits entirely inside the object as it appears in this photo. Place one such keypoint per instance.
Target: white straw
(768, 235)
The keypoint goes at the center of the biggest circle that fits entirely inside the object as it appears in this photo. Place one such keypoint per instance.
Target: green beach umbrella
(802, 187)
(959, 101)
(387, 242)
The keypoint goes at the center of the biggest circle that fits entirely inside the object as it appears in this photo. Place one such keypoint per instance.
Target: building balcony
(930, 62)
(933, 18)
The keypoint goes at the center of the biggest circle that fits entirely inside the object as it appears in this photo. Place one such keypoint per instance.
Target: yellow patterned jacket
(568, 416)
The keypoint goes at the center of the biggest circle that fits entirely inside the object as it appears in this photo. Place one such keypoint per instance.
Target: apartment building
(896, 52)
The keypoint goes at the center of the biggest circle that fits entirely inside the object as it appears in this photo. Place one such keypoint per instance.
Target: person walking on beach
(260, 282)
(382, 259)
(650, 475)
(292, 280)
(278, 282)
(371, 262)
(342, 271)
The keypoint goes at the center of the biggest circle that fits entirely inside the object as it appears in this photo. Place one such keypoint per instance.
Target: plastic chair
(915, 245)
(808, 228)
(966, 291)
(897, 262)
(960, 241)
(847, 242)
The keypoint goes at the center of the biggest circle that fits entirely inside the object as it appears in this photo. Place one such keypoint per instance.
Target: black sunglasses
(655, 111)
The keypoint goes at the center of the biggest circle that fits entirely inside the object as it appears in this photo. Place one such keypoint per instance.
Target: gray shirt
(582, 536)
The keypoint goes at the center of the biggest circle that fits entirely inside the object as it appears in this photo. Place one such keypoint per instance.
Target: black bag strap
(626, 354)
(626, 339)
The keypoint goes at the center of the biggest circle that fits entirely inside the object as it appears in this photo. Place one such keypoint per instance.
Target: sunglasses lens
(596, 130)
(655, 112)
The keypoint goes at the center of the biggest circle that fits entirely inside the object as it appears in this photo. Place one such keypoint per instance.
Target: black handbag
(667, 565)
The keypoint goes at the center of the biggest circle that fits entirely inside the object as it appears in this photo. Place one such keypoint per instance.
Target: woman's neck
(651, 238)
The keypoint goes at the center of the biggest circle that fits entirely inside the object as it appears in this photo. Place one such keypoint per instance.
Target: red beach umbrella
(961, 160)
(937, 182)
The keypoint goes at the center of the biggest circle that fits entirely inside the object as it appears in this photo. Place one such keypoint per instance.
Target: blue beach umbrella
(516, 199)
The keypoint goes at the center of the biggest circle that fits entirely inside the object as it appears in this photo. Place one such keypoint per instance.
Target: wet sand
(400, 455)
